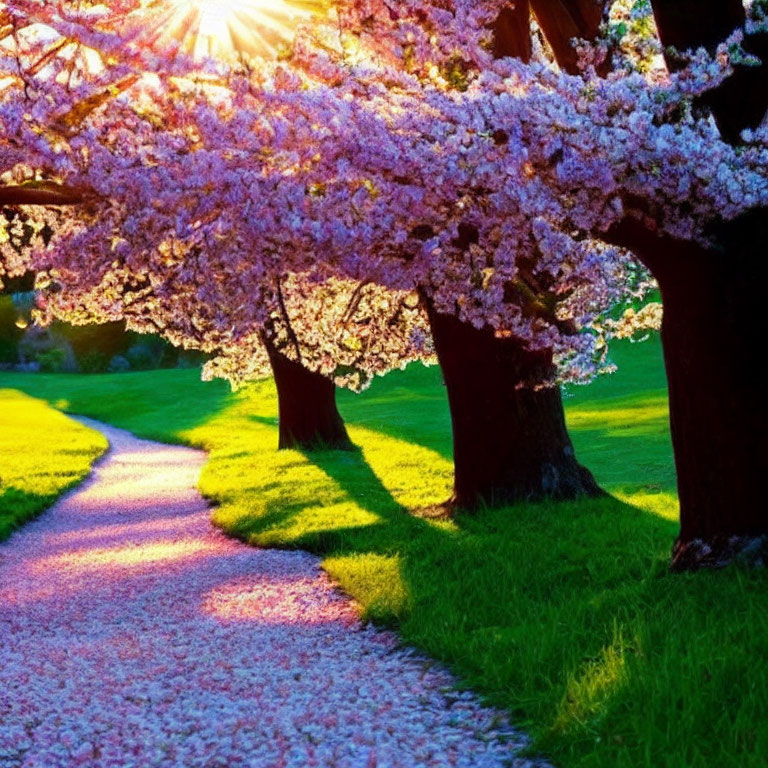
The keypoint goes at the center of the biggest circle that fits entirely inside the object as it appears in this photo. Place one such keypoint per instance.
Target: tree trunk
(512, 31)
(562, 21)
(308, 416)
(740, 102)
(510, 442)
(713, 315)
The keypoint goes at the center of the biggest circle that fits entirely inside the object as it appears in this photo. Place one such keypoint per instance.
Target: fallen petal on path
(136, 634)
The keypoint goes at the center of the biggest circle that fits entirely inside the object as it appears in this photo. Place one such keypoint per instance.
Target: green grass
(42, 454)
(563, 613)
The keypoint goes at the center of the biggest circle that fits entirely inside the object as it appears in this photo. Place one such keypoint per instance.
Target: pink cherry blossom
(370, 156)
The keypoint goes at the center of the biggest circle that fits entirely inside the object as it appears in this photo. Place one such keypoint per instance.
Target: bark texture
(562, 21)
(712, 324)
(712, 337)
(308, 416)
(42, 193)
(512, 32)
(510, 441)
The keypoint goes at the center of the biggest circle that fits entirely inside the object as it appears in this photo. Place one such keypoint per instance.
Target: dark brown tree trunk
(510, 442)
(690, 24)
(562, 21)
(308, 416)
(711, 333)
(512, 31)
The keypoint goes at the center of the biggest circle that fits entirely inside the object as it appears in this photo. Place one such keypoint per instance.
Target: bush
(52, 360)
(9, 333)
(191, 358)
(94, 361)
(108, 339)
(8, 350)
(147, 353)
(88, 348)
(118, 364)
(42, 345)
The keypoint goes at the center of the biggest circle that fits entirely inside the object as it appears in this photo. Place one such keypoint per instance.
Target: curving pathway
(134, 634)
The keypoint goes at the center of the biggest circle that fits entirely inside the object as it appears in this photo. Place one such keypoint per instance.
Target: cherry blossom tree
(297, 355)
(427, 148)
(709, 332)
(492, 486)
(712, 315)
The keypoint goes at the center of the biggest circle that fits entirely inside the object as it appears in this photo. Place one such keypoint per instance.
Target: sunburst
(228, 29)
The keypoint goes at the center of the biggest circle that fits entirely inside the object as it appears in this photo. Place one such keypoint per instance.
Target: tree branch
(287, 320)
(43, 193)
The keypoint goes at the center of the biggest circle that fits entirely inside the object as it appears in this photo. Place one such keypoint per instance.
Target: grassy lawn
(563, 613)
(42, 454)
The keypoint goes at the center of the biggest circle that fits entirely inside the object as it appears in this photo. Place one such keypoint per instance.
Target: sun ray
(227, 29)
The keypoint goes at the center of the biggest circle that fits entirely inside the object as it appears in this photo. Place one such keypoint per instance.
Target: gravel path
(133, 633)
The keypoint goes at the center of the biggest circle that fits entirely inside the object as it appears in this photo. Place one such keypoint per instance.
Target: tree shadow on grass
(563, 613)
(346, 509)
